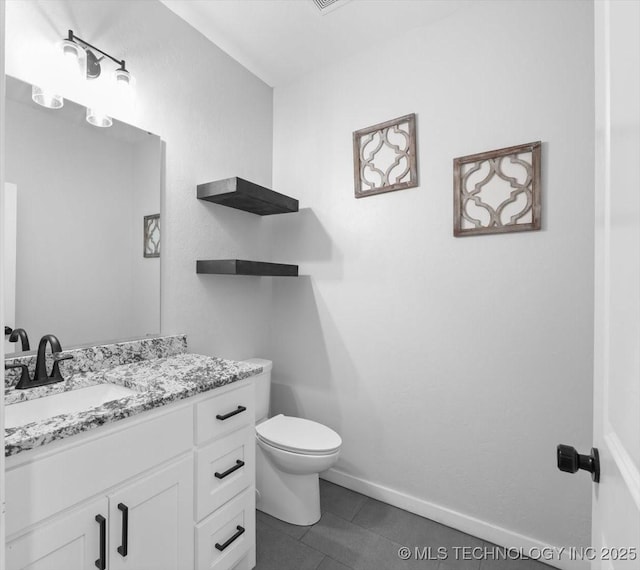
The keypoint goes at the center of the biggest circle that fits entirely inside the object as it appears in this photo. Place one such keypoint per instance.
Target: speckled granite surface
(156, 381)
(99, 357)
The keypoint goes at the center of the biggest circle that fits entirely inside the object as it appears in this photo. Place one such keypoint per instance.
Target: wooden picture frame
(475, 214)
(151, 245)
(382, 165)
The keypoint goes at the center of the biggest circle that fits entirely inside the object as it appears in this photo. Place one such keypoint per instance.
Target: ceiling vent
(326, 6)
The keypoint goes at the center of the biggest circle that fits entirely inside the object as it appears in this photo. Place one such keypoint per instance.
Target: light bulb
(74, 60)
(123, 91)
(124, 80)
(46, 97)
(98, 118)
(124, 86)
(72, 69)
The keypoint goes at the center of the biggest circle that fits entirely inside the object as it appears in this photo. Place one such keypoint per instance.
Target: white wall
(145, 286)
(216, 120)
(450, 366)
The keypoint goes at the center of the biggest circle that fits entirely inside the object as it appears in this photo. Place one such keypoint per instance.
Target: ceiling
(281, 40)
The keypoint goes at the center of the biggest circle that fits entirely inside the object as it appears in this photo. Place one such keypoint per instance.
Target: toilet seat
(298, 435)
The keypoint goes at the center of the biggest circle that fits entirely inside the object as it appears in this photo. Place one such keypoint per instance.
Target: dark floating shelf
(244, 195)
(242, 267)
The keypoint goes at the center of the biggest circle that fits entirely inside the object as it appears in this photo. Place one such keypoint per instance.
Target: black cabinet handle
(237, 535)
(231, 414)
(101, 563)
(124, 547)
(239, 463)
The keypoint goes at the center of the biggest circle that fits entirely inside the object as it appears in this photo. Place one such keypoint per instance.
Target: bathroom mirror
(76, 198)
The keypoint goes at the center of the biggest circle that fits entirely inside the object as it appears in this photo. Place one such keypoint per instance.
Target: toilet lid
(298, 435)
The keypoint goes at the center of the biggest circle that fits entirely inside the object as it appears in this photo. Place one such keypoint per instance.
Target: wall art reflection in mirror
(384, 157)
(152, 236)
(497, 191)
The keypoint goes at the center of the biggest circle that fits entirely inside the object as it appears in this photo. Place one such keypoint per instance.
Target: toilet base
(294, 499)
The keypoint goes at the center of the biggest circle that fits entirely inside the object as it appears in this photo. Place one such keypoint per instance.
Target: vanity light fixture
(79, 64)
(74, 58)
(46, 97)
(98, 118)
(67, 69)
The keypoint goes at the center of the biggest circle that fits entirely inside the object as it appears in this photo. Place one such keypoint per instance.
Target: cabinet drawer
(223, 469)
(223, 414)
(218, 531)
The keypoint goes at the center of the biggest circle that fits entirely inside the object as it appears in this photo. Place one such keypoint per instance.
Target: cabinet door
(68, 542)
(151, 521)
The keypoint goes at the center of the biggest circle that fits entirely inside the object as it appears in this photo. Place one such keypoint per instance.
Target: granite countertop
(157, 382)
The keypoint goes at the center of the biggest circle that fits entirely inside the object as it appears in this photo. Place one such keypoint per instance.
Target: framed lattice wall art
(384, 157)
(497, 191)
(152, 236)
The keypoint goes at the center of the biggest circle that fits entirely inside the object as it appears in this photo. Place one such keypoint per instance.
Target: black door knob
(569, 461)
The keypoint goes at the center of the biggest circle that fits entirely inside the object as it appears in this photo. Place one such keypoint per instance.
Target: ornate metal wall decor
(384, 157)
(497, 191)
(152, 236)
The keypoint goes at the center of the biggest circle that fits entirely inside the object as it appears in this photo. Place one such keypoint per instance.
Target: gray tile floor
(359, 533)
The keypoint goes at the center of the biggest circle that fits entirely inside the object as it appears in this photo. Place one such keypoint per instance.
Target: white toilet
(290, 453)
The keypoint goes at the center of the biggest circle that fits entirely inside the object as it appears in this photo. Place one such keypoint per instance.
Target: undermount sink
(70, 402)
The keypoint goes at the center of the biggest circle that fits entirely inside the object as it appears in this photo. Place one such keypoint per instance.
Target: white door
(616, 499)
(151, 521)
(69, 542)
(9, 225)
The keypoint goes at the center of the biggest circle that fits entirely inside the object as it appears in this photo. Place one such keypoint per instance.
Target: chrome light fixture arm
(73, 38)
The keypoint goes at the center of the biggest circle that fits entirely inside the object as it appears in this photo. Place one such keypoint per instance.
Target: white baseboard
(465, 523)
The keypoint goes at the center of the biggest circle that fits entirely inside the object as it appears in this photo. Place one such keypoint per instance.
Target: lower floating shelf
(242, 267)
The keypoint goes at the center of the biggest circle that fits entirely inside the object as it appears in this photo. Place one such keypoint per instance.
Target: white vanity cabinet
(169, 489)
(157, 533)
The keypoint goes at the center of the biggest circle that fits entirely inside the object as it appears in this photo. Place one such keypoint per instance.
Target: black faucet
(40, 377)
(20, 335)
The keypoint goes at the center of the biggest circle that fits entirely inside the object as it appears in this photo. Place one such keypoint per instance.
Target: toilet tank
(262, 386)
